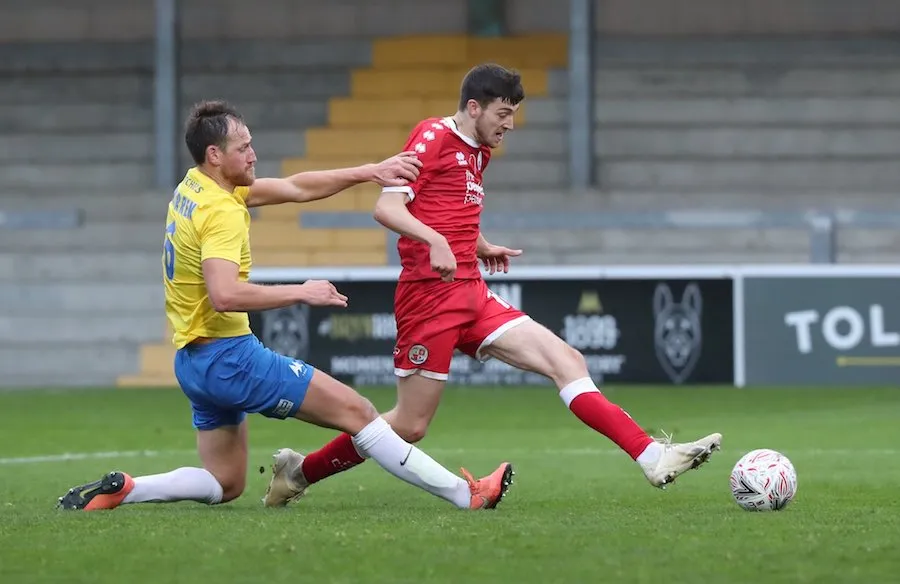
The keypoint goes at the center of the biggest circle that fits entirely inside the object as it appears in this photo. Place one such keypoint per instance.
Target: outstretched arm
(302, 187)
(494, 257)
(229, 294)
(391, 212)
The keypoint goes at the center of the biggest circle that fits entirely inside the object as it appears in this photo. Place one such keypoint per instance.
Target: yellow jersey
(203, 221)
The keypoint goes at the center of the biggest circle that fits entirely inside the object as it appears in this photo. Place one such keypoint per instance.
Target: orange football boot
(487, 492)
(107, 493)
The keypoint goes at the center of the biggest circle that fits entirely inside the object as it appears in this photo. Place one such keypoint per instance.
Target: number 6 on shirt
(169, 251)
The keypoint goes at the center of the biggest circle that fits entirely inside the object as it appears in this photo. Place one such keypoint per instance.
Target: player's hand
(443, 261)
(496, 257)
(321, 293)
(397, 171)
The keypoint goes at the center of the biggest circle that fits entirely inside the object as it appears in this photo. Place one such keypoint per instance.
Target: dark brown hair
(207, 125)
(486, 82)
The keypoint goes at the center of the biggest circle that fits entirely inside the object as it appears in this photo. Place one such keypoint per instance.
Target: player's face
(494, 121)
(238, 158)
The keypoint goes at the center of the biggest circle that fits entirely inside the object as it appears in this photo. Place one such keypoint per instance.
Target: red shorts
(434, 318)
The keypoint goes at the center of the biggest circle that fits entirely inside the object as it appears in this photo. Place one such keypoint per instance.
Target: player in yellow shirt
(222, 367)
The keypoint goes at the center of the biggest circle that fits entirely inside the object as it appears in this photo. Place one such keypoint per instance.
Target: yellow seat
(356, 112)
(550, 50)
(348, 258)
(140, 380)
(291, 166)
(284, 235)
(361, 197)
(429, 83)
(360, 142)
(157, 358)
(334, 257)
(419, 50)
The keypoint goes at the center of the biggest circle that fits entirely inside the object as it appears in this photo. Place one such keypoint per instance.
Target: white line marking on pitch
(75, 456)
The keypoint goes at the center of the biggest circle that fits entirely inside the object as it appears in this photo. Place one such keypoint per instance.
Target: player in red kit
(442, 303)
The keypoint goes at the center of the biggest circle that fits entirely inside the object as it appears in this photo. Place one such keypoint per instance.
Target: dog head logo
(286, 331)
(677, 331)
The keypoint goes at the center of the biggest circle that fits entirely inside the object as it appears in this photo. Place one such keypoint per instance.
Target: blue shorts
(228, 378)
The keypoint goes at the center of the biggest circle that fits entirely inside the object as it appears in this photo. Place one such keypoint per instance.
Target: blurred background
(661, 132)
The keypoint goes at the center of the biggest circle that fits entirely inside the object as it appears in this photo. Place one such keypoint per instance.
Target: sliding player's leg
(530, 346)
(223, 454)
(221, 440)
(418, 398)
(331, 404)
(428, 328)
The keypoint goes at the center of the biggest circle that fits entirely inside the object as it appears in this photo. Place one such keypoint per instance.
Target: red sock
(336, 456)
(592, 408)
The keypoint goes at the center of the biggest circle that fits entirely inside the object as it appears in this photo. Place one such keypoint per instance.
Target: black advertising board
(654, 331)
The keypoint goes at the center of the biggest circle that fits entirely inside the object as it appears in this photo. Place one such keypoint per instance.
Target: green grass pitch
(580, 510)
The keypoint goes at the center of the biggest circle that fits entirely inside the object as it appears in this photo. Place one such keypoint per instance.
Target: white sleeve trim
(408, 190)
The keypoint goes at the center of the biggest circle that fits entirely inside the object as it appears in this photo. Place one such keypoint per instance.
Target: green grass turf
(580, 510)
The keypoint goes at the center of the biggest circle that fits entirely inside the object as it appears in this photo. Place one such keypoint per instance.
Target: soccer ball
(763, 480)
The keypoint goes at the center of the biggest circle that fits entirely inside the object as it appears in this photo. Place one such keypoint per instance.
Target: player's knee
(233, 491)
(233, 486)
(576, 358)
(412, 431)
(359, 413)
(568, 364)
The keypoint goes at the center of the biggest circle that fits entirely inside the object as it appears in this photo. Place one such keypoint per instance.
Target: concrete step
(84, 266)
(90, 299)
(511, 172)
(125, 176)
(772, 175)
(660, 257)
(81, 147)
(75, 89)
(205, 55)
(716, 142)
(873, 257)
(748, 142)
(124, 146)
(646, 240)
(92, 237)
(739, 81)
(81, 362)
(137, 89)
(859, 239)
(619, 199)
(726, 111)
(140, 205)
(759, 50)
(275, 144)
(108, 328)
(75, 117)
(124, 117)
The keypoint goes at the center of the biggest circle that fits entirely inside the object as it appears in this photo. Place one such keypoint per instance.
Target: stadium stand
(369, 124)
(679, 124)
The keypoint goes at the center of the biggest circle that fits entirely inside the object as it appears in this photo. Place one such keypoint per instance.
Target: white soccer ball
(763, 480)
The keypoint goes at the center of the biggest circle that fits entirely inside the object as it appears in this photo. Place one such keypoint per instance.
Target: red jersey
(447, 196)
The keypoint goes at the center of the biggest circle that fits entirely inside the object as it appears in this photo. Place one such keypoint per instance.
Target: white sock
(650, 454)
(379, 442)
(181, 484)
